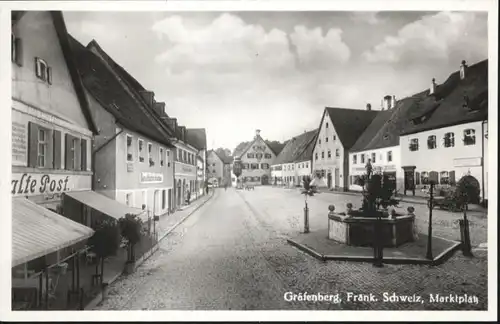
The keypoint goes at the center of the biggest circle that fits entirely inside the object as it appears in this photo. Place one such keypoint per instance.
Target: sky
(234, 72)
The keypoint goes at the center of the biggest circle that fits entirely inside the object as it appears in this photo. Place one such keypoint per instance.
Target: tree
(130, 227)
(105, 242)
(224, 153)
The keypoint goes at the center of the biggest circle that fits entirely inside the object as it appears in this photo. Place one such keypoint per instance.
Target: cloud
(226, 45)
(434, 38)
(315, 50)
(369, 17)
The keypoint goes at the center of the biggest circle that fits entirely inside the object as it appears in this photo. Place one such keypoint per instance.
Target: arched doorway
(264, 179)
(179, 194)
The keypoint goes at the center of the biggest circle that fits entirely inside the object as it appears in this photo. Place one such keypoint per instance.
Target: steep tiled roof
(197, 137)
(307, 154)
(350, 123)
(446, 106)
(295, 147)
(111, 95)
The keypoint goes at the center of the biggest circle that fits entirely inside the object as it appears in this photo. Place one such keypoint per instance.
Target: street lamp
(432, 182)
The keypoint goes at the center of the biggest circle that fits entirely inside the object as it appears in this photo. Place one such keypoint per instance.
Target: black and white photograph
(179, 157)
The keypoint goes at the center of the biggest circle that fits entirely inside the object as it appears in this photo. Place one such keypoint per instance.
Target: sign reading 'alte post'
(30, 184)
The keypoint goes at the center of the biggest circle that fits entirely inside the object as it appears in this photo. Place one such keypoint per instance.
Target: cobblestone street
(232, 254)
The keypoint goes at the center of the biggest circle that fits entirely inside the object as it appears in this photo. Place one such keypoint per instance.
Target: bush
(106, 239)
(468, 190)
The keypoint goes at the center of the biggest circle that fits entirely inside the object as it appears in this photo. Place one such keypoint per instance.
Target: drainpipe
(482, 160)
(96, 151)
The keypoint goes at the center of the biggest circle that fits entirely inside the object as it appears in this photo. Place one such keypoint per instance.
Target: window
(150, 155)
(469, 137)
(259, 155)
(424, 177)
(264, 166)
(74, 147)
(184, 156)
(141, 150)
(254, 166)
(307, 164)
(323, 154)
(326, 124)
(246, 166)
(389, 156)
(320, 141)
(354, 159)
(161, 156)
(431, 142)
(444, 177)
(250, 155)
(337, 153)
(268, 156)
(315, 156)
(362, 158)
(326, 139)
(43, 71)
(414, 144)
(374, 157)
(42, 148)
(83, 154)
(130, 156)
(164, 198)
(73, 154)
(213, 164)
(334, 137)
(16, 48)
(329, 154)
(128, 199)
(449, 140)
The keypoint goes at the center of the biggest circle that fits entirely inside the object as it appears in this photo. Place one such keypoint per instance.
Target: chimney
(432, 89)
(368, 107)
(149, 97)
(257, 132)
(463, 68)
(387, 102)
(160, 108)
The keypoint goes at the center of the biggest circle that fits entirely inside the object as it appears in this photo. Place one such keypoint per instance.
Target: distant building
(256, 159)
(445, 136)
(197, 137)
(339, 129)
(219, 169)
(293, 161)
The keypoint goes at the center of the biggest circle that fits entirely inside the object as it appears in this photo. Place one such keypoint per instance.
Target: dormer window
(43, 71)
(469, 137)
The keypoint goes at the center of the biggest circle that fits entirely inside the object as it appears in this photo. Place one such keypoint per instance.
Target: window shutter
(57, 149)
(452, 177)
(32, 144)
(19, 51)
(49, 75)
(50, 149)
(417, 178)
(37, 68)
(78, 154)
(68, 161)
(84, 155)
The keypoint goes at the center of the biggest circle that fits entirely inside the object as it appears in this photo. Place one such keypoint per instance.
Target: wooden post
(46, 288)
(78, 271)
(102, 270)
(40, 284)
(429, 237)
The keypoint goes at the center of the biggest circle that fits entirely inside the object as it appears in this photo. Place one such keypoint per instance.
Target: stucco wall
(258, 172)
(214, 163)
(39, 39)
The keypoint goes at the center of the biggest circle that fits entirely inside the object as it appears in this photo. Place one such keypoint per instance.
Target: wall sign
(149, 177)
(31, 184)
(19, 144)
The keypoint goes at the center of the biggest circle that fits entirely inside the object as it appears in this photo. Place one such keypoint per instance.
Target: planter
(360, 231)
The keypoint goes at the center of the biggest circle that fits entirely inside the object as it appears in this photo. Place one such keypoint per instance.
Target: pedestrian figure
(188, 197)
(225, 186)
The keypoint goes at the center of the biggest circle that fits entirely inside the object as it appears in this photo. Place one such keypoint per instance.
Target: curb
(99, 298)
(441, 258)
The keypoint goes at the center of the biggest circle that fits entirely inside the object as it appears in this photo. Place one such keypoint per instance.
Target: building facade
(338, 131)
(186, 174)
(52, 136)
(257, 158)
(215, 166)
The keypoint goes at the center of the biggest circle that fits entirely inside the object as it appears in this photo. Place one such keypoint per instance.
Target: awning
(105, 205)
(37, 231)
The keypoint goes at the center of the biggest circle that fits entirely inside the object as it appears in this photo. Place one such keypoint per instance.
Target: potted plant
(104, 243)
(130, 227)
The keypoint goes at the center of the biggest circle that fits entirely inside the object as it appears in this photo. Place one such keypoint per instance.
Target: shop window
(162, 162)
(431, 142)
(130, 155)
(424, 177)
(43, 71)
(374, 157)
(389, 156)
(469, 137)
(140, 147)
(362, 158)
(413, 144)
(449, 140)
(444, 177)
